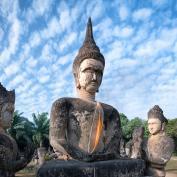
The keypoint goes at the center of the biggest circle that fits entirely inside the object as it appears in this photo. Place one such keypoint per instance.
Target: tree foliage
(171, 130)
(41, 128)
(21, 129)
(129, 125)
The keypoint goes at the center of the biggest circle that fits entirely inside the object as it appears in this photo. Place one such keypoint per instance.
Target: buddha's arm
(58, 131)
(114, 134)
(24, 157)
(7, 163)
(58, 126)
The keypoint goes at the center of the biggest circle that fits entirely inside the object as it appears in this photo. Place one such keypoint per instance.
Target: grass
(29, 171)
(172, 165)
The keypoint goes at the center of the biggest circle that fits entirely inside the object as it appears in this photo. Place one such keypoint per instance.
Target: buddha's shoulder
(162, 140)
(63, 100)
(109, 107)
(168, 140)
(66, 101)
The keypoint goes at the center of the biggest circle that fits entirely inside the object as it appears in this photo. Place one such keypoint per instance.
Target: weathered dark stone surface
(71, 119)
(12, 157)
(110, 168)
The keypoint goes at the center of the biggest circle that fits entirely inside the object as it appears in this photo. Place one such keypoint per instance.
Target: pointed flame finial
(89, 49)
(89, 33)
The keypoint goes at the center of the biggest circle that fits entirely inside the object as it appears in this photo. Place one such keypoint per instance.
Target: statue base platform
(109, 168)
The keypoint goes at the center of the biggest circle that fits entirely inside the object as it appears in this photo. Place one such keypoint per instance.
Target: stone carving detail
(11, 159)
(81, 128)
(134, 147)
(159, 147)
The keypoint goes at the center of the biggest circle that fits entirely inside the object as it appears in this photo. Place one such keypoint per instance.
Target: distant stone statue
(159, 147)
(134, 147)
(82, 128)
(11, 160)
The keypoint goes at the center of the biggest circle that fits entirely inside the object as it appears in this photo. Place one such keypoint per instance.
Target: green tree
(41, 128)
(146, 131)
(134, 123)
(21, 129)
(124, 125)
(129, 125)
(171, 130)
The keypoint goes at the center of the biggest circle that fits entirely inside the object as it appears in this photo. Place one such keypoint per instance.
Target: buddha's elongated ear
(163, 126)
(77, 81)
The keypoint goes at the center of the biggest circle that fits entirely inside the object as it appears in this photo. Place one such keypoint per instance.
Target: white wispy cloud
(124, 32)
(13, 42)
(35, 39)
(41, 7)
(1, 33)
(43, 75)
(139, 41)
(96, 9)
(53, 28)
(64, 16)
(18, 79)
(123, 12)
(31, 62)
(67, 40)
(142, 14)
(11, 69)
(38, 8)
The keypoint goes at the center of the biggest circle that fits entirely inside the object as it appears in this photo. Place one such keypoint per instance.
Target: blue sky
(39, 40)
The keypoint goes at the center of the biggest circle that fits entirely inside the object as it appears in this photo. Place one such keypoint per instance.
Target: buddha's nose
(94, 76)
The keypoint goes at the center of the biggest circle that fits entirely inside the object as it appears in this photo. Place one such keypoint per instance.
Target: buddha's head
(156, 120)
(89, 64)
(7, 101)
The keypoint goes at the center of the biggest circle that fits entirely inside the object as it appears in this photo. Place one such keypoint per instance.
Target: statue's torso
(160, 147)
(80, 116)
(80, 122)
(8, 153)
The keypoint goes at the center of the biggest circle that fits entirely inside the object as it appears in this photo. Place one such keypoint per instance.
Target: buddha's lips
(93, 83)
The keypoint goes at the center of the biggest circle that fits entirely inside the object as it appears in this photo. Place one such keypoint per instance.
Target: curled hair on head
(157, 112)
(89, 49)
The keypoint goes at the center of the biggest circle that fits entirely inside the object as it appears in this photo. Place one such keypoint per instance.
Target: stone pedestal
(41, 154)
(110, 168)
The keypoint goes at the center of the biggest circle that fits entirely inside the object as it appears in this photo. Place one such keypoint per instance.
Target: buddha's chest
(83, 127)
(156, 146)
(80, 122)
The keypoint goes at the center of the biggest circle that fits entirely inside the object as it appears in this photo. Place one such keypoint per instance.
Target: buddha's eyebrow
(93, 68)
(87, 68)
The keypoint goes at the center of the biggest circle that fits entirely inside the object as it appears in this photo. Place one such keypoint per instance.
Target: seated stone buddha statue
(83, 128)
(159, 147)
(11, 159)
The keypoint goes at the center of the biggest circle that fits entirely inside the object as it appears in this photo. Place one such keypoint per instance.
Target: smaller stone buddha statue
(159, 147)
(82, 128)
(11, 159)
